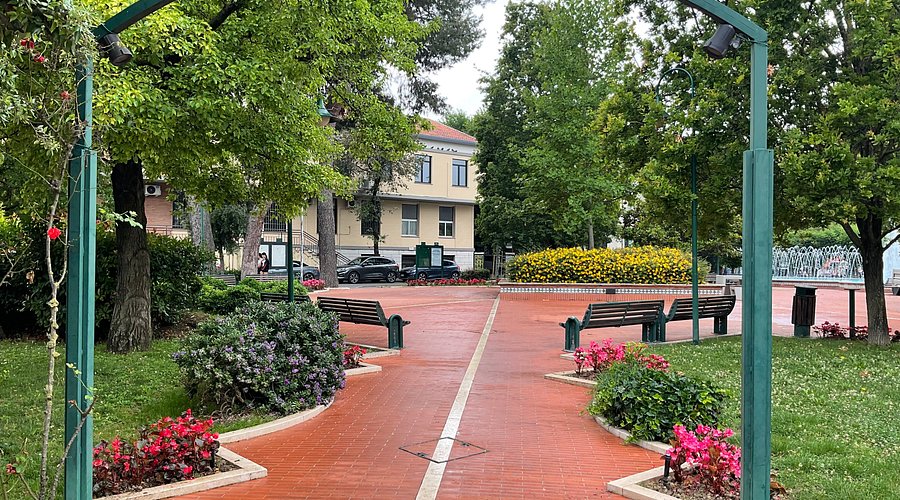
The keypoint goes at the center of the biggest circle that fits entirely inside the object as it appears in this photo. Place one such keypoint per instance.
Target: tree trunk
(250, 253)
(222, 260)
(130, 328)
(201, 228)
(590, 235)
(325, 225)
(871, 251)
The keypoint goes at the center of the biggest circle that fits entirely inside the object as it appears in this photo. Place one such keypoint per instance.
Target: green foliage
(505, 216)
(175, 266)
(131, 391)
(476, 274)
(834, 407)
(627, 265)
(649, 403)
(459, 120)
(281, 286)
(229, 225)
(218, 298)
(833, 235)
(578, 55)
(281, 358)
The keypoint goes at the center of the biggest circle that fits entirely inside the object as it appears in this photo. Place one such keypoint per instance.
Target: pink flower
(53, 232)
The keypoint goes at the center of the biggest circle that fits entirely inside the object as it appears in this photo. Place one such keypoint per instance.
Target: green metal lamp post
(82, 239)
(695, 307)
(756, 363)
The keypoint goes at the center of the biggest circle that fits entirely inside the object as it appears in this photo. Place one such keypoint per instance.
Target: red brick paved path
(540, 442)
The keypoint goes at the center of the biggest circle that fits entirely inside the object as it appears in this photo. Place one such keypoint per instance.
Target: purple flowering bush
(276, 357)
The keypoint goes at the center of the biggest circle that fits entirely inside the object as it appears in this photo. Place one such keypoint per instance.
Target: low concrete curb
(630, 487)
(273, 426)
(569, 378)
(654, 446)
(362, 369)
(375, 351)
(247, 470)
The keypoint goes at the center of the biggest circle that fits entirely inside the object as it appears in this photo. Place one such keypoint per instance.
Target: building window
(407, 260)
(179, 211)
(445, 221)
(273, 221)
(410, 220)
(423, 175)
(460, 173)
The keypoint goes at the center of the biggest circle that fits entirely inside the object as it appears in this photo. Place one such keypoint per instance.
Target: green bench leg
(720, 325)
(573, 334)
(395, 332)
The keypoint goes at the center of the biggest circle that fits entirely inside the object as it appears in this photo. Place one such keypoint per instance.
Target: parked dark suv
(449, 270)
(307, 272)
(369, 268)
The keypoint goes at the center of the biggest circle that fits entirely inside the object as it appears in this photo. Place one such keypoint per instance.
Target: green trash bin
(803, 312)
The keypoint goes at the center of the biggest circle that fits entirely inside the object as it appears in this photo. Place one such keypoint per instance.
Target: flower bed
(628, 265)
(314, 285)
(447, 282)
(167, 451)
(837, 332)
(637, 392)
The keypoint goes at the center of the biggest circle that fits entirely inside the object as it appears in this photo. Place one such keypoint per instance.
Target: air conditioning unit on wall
(152, 190)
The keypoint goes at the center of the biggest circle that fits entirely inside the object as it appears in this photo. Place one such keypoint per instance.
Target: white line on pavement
(431, 483)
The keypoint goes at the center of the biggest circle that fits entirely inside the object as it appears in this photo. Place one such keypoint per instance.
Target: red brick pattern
(541, 444)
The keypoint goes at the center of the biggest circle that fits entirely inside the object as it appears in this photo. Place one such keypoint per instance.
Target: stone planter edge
(247, 470)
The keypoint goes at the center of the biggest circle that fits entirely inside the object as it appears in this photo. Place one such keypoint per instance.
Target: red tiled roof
(441, 131)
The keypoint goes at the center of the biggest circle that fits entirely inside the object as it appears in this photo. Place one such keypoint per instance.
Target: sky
(459, 83)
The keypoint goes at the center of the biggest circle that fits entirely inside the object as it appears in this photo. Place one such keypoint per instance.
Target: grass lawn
(835, 408)
(131, 391)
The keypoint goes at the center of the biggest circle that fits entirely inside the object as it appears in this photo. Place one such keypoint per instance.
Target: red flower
(23, 42)
(11, 469)
(39, 59)
(98, 462)
(65, 95)
(187, 470)
(53, 233)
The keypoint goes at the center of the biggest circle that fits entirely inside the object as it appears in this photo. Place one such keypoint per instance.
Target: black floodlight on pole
(723, 39)
(113, 48)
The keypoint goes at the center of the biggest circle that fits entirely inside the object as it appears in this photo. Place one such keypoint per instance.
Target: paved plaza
(540, 442)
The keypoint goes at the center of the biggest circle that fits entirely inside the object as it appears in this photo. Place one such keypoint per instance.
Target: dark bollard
(803, 313)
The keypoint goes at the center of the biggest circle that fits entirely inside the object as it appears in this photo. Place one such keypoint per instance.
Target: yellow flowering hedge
(628, 265)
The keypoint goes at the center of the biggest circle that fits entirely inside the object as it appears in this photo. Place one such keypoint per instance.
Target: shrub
(281, 286)
(715, 463)
(276, 357)
(649, 402)
(476, 274)
(218, 298)
(175, 267)
(627, 265)
(168, 451)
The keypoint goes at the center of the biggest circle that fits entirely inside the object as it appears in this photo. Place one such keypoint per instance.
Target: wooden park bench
(264, 278)
(229, 279)
(366, 312)
(717, 307)
(282, 297)
(647, 313)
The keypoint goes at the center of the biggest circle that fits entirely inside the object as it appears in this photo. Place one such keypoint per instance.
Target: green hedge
(175, 267)
(218, 298)
(649, 403)
(476, 274)
(627, 265)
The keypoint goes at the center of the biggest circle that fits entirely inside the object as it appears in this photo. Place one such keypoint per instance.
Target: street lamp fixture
(724, 38)
(695, 306)
(113, 48)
